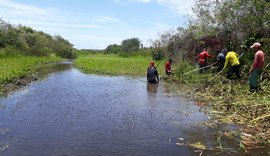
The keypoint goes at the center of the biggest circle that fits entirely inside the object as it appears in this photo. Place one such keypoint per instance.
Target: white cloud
(181, 7)
(78, 30)
(94, 31)
(21, 8)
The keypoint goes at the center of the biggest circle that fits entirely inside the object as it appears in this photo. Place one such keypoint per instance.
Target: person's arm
(208, 55)
(226, 63)
(254, 64)
(147, 75)
(157, 76)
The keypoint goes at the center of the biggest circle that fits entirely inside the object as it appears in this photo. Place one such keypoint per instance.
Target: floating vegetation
(231, 102)
(3, 131)
(3, 146)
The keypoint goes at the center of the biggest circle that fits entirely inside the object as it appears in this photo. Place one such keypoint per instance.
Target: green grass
(115, 65)
(21, 66)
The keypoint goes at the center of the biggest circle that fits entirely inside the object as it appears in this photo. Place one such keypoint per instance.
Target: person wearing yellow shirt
(232, 61)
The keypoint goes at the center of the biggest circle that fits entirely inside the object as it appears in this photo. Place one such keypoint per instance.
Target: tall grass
(20, 66)
(114, 65)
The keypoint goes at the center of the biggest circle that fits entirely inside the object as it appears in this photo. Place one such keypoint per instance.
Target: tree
(113, 48)
(130, 45)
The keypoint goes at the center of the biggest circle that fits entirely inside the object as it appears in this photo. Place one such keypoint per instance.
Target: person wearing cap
(232, 61)
(152, 74)
(257, 67)
(168, 65)
(221, 59)
(203, 59)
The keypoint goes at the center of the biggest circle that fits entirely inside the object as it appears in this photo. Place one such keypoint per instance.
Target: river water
(68, 112)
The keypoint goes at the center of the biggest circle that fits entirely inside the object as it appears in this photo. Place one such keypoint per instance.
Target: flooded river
(67, 113)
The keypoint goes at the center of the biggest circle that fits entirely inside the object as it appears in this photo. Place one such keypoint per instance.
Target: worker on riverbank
(256, 68)
(152, 74)
(203, 60)
(221, 59)
(232, 61)
(168, 66)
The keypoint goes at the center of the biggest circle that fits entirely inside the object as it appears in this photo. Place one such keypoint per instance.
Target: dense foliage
(218, 24)
(128, 47)
(24, 40)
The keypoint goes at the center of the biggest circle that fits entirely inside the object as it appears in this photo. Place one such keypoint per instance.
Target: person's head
(170, 60)
(224, 51)
(256, 46)
(152, 64)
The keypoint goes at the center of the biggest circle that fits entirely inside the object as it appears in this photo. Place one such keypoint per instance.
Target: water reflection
(152, 87)
(45, 71)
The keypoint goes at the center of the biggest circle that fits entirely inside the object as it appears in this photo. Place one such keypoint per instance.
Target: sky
(95, 24)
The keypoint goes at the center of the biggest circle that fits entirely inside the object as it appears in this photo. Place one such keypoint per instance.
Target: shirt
(168, 66)
(231, 59)
(203, 56)
(152, 74)
(258, 60)
(221, 58)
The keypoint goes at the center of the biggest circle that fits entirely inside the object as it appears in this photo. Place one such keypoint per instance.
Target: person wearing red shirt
(168, 69)
(203, 59)
(256, 68)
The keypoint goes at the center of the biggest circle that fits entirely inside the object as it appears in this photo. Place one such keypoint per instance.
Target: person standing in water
(152, 74)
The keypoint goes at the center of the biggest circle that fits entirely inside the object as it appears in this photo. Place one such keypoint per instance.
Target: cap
(152, 62)
(255, 45)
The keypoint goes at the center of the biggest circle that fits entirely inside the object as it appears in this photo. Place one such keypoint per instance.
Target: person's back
(231, 59)
(203, 56)
(203, 60)
(168, 69)
(221, 59)
(152, 74)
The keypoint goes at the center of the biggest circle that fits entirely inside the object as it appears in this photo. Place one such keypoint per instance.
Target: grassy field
(115, 65)
(20, 67)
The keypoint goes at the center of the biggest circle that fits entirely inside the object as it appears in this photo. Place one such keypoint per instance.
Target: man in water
(152, 74)
(257, 67)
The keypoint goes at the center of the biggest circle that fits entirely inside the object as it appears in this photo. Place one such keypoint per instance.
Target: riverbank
(18, 71)
(226, 101)
(231, 102)
(114, 65)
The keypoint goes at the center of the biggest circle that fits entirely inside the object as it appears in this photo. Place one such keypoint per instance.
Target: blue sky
(95, 24)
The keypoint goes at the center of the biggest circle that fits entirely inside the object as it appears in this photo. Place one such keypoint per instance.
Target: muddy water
(71, 113)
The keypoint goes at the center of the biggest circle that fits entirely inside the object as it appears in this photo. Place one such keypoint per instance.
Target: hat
(152, 62)
(255, 45)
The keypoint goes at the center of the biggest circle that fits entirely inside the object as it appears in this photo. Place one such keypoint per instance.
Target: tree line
(24, 40)
(128, 47)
